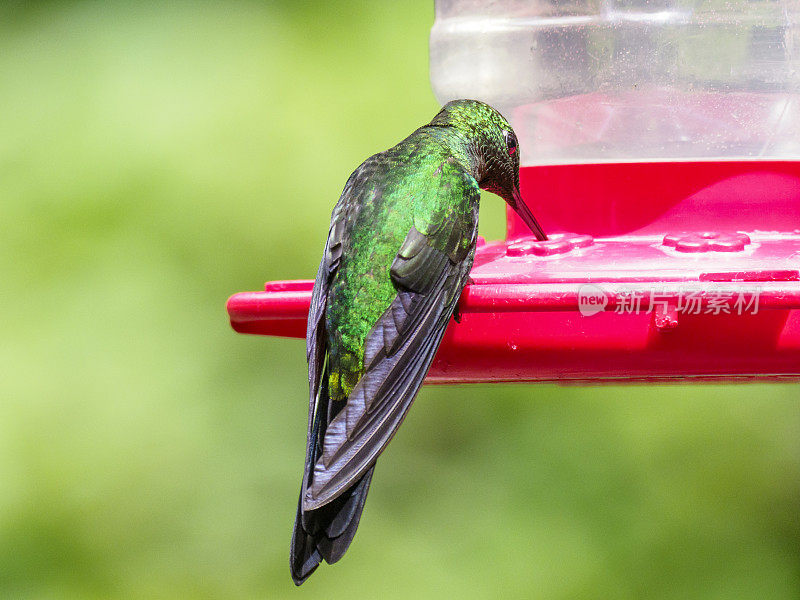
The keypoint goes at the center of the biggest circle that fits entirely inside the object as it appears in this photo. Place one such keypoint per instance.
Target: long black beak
(527, 216)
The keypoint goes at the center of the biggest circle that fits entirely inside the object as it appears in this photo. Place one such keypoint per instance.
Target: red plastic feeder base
(679, 270)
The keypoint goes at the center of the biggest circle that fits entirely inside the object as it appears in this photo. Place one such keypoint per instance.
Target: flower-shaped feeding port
(558, 243)
(709, 241)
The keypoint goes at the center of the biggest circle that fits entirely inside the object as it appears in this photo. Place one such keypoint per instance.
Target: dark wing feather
(316, 532)
(398, 353)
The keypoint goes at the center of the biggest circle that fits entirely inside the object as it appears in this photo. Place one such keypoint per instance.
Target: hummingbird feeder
(661, 154)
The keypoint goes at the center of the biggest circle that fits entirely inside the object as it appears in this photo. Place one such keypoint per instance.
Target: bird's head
(493, 151)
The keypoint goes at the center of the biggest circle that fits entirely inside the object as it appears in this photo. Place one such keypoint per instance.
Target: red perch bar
(680, 270)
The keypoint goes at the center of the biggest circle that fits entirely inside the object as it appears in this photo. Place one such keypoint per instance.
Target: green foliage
(157, 157)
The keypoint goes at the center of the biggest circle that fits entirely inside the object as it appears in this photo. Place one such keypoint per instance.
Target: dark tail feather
(327, 532)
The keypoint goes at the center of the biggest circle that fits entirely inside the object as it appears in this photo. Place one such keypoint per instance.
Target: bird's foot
(457, 312)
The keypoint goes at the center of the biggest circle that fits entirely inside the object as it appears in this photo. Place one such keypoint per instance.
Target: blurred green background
(156, 158)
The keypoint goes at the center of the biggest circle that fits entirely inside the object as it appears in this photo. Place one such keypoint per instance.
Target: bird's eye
(511, 142)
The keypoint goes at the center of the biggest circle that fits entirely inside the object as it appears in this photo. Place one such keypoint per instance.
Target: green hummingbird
(400, 248)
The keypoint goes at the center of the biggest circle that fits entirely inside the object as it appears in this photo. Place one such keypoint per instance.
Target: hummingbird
(399, 251)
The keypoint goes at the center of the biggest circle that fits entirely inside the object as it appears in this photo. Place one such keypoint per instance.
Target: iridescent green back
(416, 183)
